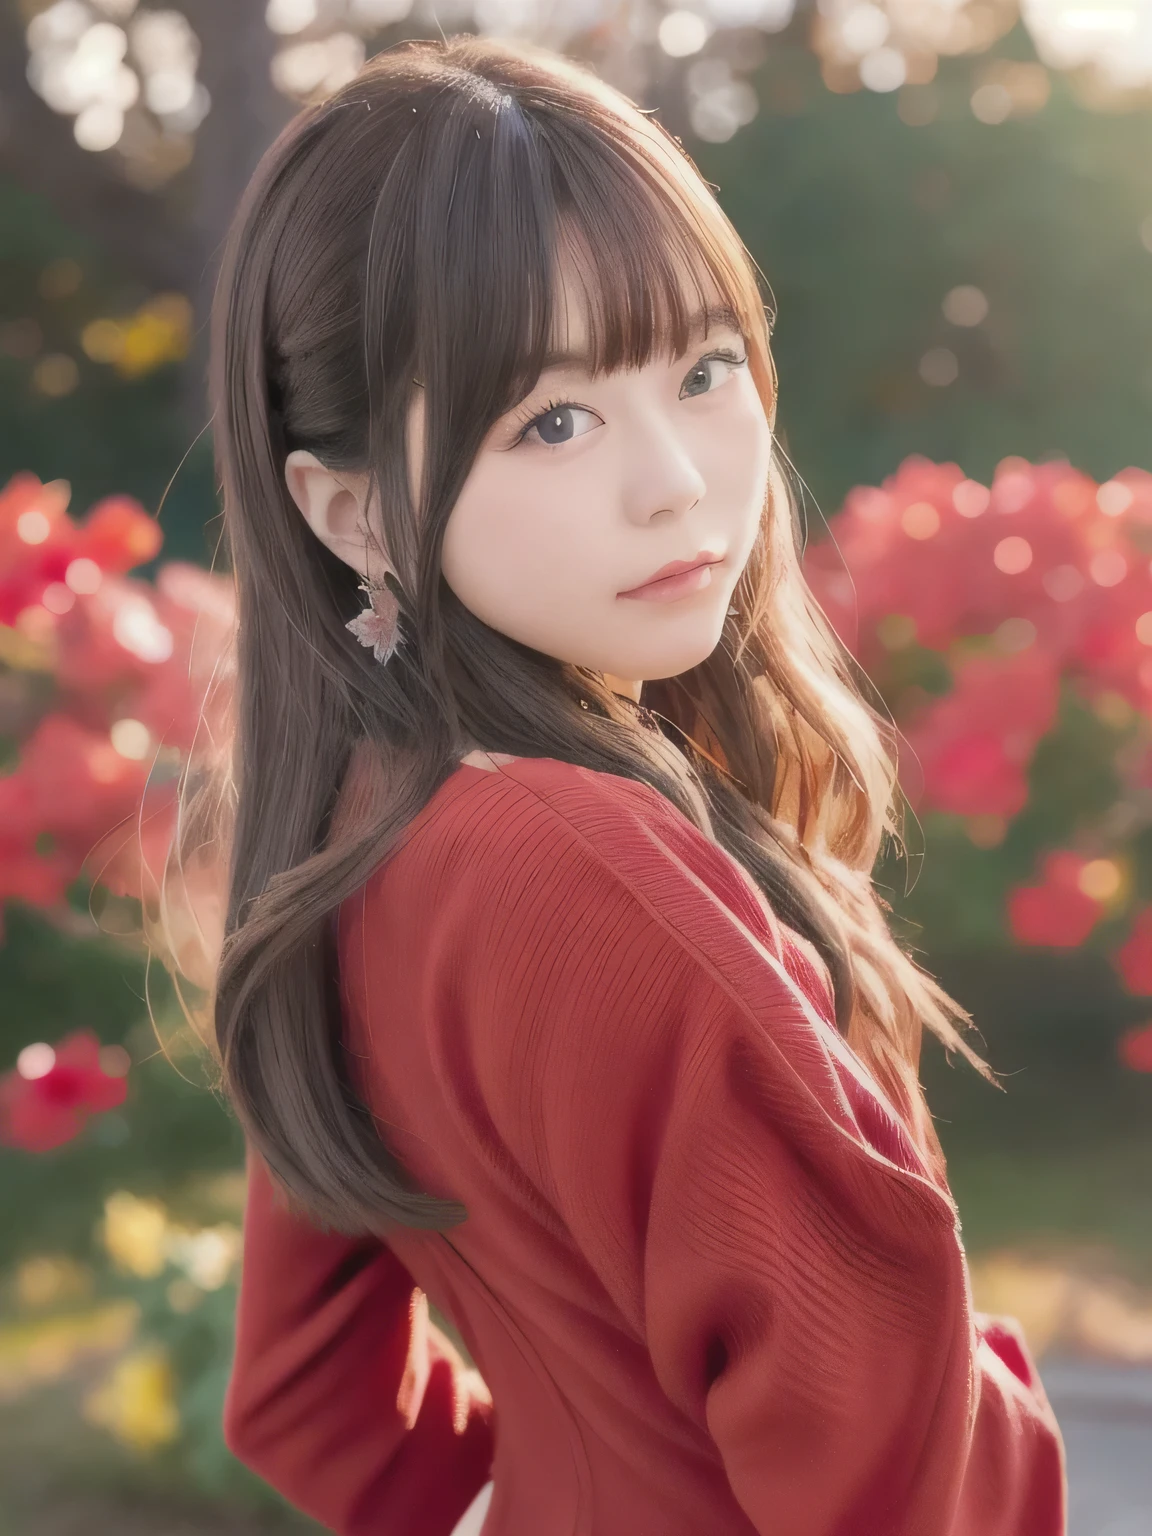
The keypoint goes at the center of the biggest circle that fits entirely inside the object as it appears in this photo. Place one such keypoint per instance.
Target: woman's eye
(562, 423)
(708, 373)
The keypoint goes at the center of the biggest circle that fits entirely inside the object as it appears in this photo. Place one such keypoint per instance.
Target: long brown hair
(405, 230)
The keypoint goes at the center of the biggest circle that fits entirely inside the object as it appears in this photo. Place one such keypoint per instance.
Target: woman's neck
(619, 685)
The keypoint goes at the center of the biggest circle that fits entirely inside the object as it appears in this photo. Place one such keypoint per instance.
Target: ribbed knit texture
(709, 1284)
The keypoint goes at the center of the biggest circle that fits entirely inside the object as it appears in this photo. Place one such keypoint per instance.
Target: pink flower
(376, 625)
(47, 1099)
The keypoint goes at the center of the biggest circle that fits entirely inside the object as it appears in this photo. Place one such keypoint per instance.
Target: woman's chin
(674, 663)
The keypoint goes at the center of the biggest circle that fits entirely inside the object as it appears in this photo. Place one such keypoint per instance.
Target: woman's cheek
(734, 453)
(515, 546)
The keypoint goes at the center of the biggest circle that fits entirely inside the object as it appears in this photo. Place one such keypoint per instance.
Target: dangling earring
(378, 625)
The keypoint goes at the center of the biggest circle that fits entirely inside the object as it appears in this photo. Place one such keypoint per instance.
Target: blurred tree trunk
(247, 113)
(168, 239)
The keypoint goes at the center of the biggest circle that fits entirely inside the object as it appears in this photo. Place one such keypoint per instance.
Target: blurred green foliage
(171, 1126)
(862, 224)
(108, 434)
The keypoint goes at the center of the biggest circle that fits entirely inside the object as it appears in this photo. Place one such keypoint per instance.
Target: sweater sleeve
(343, 1395)
(744, 1192)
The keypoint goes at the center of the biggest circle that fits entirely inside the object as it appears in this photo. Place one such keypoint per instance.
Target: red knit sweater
(710, 1285)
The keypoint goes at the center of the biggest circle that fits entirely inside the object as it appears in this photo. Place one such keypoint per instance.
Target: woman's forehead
(578, 304)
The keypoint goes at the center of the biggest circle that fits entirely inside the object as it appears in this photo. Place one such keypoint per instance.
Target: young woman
(554, 988)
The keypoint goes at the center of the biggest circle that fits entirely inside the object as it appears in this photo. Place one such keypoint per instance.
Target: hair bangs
(652, 265)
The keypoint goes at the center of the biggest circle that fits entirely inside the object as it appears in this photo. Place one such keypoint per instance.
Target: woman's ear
(332, 506)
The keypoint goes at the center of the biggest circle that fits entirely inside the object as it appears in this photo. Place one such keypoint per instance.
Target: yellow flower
(135, 1233)
(45, 1348)
(139, 1237)
(159, 332)
(48, 1279)
(137, 1402)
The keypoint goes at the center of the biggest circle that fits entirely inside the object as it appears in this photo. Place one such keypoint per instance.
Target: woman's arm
(343, 1395)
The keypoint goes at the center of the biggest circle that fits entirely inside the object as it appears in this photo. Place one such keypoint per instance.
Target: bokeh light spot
(1114, 498)
(1012, 555)
(131, 738)
(921, 520)
(1100, 879)
(965, 305)
(35, 1061)
(1063, 583)
(939, 367)
(970, 498)
(1108, 568)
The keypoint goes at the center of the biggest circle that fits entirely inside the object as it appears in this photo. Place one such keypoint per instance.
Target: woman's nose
(663, 475)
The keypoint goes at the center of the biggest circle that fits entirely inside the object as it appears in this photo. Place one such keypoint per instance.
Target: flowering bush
(107, 682)
(104, 684)
(154, 1314)
(998, 621)
(166, 1388)
(46, 1099)
(1007, 627)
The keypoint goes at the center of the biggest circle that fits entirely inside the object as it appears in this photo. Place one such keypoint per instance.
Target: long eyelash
(725, 354)
(528, 419)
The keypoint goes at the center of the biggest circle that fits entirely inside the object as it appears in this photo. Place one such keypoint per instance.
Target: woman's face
(591, 486)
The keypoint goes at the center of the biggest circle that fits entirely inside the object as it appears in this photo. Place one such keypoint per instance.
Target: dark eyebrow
(715, 317)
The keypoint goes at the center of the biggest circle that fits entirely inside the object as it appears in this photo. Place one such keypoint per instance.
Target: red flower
(1051, 916)
(148, 653)
(1135, 1048)
(974, 745)
(39, 543)
(1133, 959)
(159, 658)
(41, 878)
(1044, 547)
(47, 1098)
(974, 776)
(1057, 913)
(118, 534)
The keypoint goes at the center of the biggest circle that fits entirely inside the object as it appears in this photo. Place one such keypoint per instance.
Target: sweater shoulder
(540, 822)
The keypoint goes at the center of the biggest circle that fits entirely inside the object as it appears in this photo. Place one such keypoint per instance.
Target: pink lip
(675, 568)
